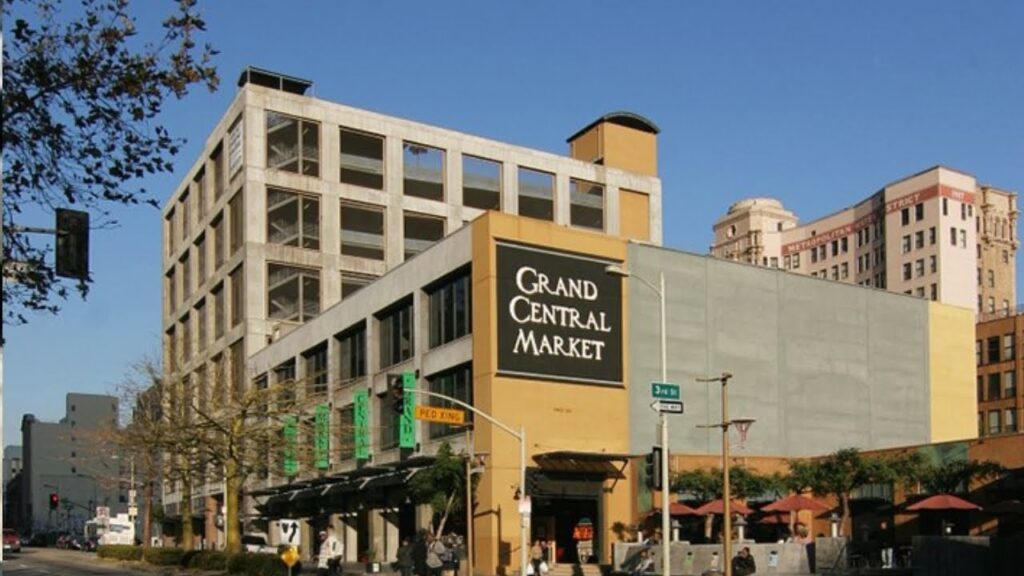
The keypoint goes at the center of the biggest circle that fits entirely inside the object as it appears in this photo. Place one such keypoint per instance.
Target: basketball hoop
(742, 426)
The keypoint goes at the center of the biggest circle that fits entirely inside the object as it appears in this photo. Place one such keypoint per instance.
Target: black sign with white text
(559, 316)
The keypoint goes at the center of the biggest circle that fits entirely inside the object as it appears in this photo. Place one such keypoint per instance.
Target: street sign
(290, 556)
(406, 429)
(289, 531)
(442, 415)
(668, 406)
(361, 423)
(665, 391)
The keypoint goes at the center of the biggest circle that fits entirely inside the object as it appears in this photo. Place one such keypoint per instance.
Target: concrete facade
(938, 235)
(63, 458)
(821, 365)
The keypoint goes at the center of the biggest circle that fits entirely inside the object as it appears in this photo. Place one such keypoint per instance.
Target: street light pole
(742, 424)
(616, 270)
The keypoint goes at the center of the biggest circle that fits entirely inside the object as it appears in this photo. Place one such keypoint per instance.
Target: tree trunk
(187, 537)
(444, 517)
(147, 515)
(231, 531)
(845, 499)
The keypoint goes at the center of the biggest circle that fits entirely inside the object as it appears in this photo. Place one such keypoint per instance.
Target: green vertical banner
(291, 441)
(407, 420)
(361, 421)
(322, 440)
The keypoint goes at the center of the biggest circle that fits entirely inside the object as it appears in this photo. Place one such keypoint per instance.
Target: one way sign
(289, 532)
(668, 406)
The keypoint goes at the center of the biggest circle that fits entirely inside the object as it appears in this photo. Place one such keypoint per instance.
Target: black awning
(568, 461)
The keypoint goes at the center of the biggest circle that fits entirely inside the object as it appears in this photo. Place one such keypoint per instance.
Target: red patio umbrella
(777, 518)
(718, 506)
(943, 502)
(795, 503)
(675, 509)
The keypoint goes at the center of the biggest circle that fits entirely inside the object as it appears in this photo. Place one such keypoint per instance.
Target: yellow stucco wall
(630, 149)
(951, 372)
(587, 146)
(556, 415)
(634, 215)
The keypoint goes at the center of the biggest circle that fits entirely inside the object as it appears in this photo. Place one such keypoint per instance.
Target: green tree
(442, 485)
(82, 96)
(955, 476)
(706, 484)
(846, 470)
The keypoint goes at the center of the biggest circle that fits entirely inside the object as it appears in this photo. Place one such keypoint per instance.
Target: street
(41, 561)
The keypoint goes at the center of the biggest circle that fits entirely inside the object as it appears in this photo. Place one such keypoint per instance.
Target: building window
(993, 422)
(237, 213)
(219, 312)
(905, 245)
(450, 307)
(237, 368)
(952, 236)
(237, 296)
(236, 152)
(346, 433)
(420, 232)
(293, 219)
(835, 272)
(993, 349)
(994, 386)
(352, 353)
(536, 194)
(293, 144)
(1006, 257)
(218, 241)
(814, 255)
(991, 305)
(423, 171)
(823, 252)
(981, 424)
(981, 389)
(835, 248)
(169, 232)
(362, 159)
(919, 239)
(796, 261)
(201, 331)
(905, 216)
(933, 264)
(945, 206)
(481, 183)
(934, 292)
(284, 378)
(1010, 384)
(906, 271)
(186, 277)
(963, 238)
(919, 267)
(186, 338)
(844, 245)
(991, 278)
(293, 294)
(1011, 420)
(362, 231)
(918, 212)
(352, 283)
(315, 361)
(919, 292)
(186, 219)
(963, 211)
(1009, 346)
(586, 204)
(458, 384)
(931, 236)
(200, 248)
(396, 334)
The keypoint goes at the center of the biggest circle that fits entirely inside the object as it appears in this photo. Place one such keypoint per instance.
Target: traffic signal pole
(665, 488)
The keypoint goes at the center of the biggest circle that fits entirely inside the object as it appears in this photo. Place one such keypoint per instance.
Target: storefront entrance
(567, 513)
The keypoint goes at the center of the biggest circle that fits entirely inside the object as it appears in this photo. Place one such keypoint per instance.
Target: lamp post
(659, 289)
(742, 424)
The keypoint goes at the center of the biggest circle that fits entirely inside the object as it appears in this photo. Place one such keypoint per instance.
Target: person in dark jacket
(419, 554)
(743, 563)
(404, 562)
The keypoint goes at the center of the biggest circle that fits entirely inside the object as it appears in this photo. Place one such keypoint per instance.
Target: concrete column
(393, 231)
(510, 188)
(562, 199)
(378, 533)
(349, 537)
(611, 210)
(391, 538)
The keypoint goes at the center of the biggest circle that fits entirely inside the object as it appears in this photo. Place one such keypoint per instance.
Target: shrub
(207, 560)
(257, 565)
(119, 552)
(163, 556)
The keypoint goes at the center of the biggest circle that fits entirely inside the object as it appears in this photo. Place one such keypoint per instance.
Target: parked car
(12, 543)
(257, 542)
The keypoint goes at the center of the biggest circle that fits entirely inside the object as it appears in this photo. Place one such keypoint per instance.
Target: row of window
(209, 383)
(989, 351)
(991, 306)
(224, 245)
(998, 422)
(919, 292)
(918, 240)
(917, 268)
(179, 337)
(293, 146)
(999, 386)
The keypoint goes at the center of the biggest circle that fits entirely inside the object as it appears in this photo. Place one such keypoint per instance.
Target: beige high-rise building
(937, 234)
(295, 203)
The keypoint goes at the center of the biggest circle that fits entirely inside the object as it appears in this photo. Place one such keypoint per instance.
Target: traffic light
(72, 244)
(652, 468)
(397, 391)
(54, 500)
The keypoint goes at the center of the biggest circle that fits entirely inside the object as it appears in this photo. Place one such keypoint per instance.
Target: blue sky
(818, 104)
